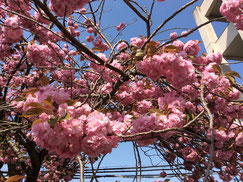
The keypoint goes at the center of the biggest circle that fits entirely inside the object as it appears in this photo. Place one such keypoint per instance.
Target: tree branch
(211, 133)
(167, 20)
(80, 47)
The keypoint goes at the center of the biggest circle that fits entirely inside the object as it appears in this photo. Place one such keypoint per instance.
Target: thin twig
(167, 20)
(135, 10)
(163, 130)
(211, 133)
(191, 31)
(97, 168)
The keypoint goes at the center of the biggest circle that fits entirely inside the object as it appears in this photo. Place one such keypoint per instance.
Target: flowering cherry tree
(65, 106)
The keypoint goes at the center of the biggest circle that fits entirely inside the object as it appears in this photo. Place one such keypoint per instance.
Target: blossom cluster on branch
(232, 10)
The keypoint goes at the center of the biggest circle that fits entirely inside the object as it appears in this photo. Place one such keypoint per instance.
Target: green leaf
(204, 54)
(157, 111)
(36, 110)
(222, 93)
(187, 117)
(31, 91)
(67, 116)
(153, 110)
(166, 107)
(192, 115)
(230, 89)
(151, 48)
(54, 121)
(168, 112)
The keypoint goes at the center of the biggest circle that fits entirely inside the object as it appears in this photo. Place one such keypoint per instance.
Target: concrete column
(208, 35)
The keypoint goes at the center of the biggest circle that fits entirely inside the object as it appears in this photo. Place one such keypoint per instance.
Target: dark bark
(36, 158)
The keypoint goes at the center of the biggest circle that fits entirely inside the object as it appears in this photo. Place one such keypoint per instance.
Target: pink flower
(179, 44)
(12, 30)
(62, 110)
(163, 174)
(90, 30)
(214, 58)
(83, 10)
(94, 145)
(190, 154)
(137, 41)
(192, 47)
(185, 32)
(239, 139)
(89, 38)
(210, 78)
(232, 10)
(121, 46)
(60, 6)
(173, 35)
(120, 26)
(97, 123)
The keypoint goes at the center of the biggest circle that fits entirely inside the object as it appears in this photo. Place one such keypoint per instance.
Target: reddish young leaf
(14, 178)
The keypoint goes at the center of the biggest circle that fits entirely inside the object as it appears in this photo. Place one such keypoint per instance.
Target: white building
(230, 42)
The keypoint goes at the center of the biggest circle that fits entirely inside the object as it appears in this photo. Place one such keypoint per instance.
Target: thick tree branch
(36, 158)
(146, 20)
(135, 10)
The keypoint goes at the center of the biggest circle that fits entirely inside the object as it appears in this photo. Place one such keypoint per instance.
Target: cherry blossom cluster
(43, 55)
(12, 31)
(120, 26)
(232, 10)
(94, 133)
(19, 6)
(73, 28)
(171, 115)
(137, 92)
(66, 7)
(39, 55)
(8, 156)
(171, 65)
